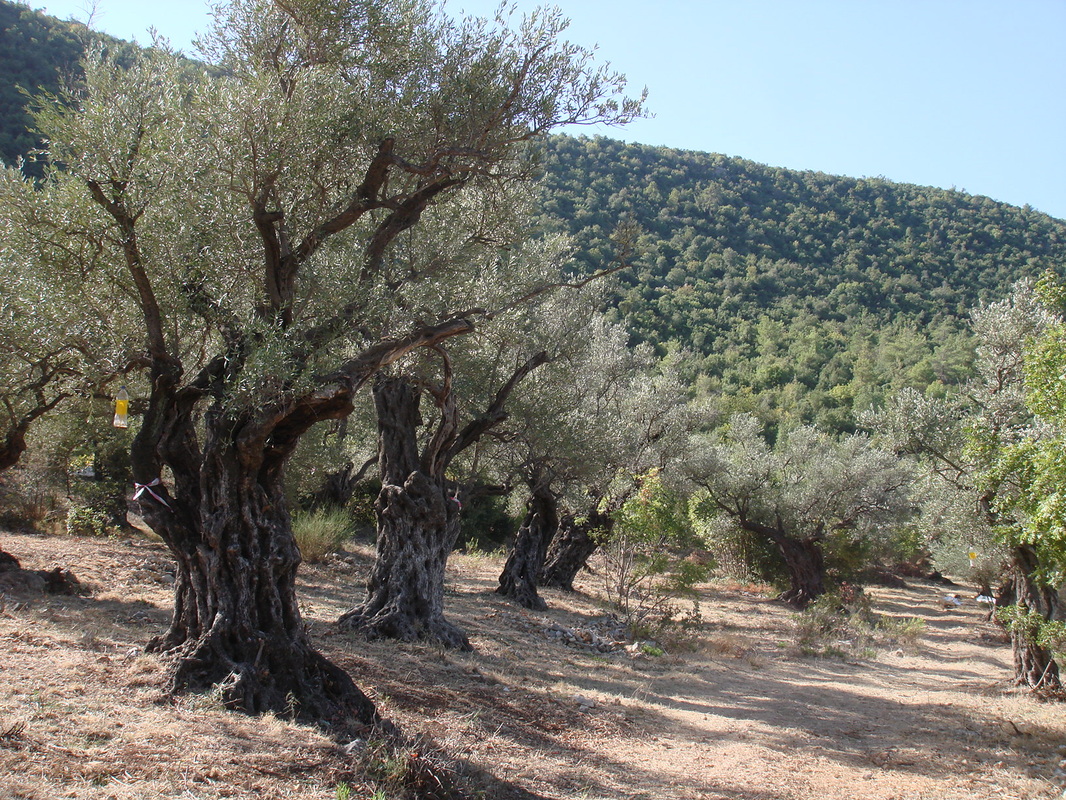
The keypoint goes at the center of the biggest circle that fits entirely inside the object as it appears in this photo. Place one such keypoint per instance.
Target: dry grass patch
(525, 717)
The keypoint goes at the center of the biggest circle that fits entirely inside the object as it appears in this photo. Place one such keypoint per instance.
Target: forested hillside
(35, 52)
(797, 295)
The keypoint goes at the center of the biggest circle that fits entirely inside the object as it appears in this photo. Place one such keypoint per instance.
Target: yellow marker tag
(122, 408)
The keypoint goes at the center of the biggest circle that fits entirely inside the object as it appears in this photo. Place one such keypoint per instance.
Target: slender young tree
(41, 347)
(42, 361)
(245, 236)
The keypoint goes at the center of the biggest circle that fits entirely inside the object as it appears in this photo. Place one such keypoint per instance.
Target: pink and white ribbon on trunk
(141, 488)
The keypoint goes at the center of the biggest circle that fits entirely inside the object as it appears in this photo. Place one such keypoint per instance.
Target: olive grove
(257, 242)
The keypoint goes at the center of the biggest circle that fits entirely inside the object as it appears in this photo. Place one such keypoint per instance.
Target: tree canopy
(803, 297)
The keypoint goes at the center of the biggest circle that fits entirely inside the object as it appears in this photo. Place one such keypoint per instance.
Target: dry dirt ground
(736, 710)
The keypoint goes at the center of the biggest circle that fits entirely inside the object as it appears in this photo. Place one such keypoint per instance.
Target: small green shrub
(486, 524)
(650, 569)
(822, 625)
(31, 495)
(903, 632)
(842, 624)
(94, 500)
(87, 521)
(319, 533)
(739, 554)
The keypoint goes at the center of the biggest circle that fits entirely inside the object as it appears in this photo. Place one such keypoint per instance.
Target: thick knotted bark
(803, 559)
(806, 570)
(573, 545)
(518, 580)
(237, 626)
(418, 523)
(418, 518)
(1034, 665)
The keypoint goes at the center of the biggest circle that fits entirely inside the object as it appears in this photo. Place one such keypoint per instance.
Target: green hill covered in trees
(797, 295)
(36, 52)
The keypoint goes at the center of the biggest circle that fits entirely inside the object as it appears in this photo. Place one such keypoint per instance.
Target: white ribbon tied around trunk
(141, 488)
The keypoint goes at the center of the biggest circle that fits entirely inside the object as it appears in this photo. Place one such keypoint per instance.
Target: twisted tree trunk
(237, 626)
(518, 580)
(1034, 665)
(418, 519)
(803, 559)
(806, 570)
(418, 523)
(573, 545)
(237, 623)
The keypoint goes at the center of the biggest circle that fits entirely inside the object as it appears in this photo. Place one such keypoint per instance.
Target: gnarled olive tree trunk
(223, 514)
(237, 625)
(573, 545)
(518, 580)
(803, 559)
(418, 518)
(1034, 665)
(418, 523)
(805, 563)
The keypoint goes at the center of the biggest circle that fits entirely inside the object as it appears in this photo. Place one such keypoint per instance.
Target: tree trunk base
(518, 581)
(806, 569)
(521, 593)
(798, 598)
(1035, 668)
(288, 678)
(392, 623)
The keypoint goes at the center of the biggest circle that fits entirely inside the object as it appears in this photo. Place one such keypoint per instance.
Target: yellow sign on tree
(122, 407)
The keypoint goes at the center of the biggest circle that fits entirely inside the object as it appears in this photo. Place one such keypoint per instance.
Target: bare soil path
(735, 710)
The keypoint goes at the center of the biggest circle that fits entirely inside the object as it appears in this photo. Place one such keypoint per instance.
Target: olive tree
(644, 424)
(41, 347)
(563, 433)
(985, 446)
(1015, 442)
(251, 236)
(430, 411)
(799, 492)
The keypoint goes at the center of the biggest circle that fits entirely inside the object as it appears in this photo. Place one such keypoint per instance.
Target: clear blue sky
(965, 94)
